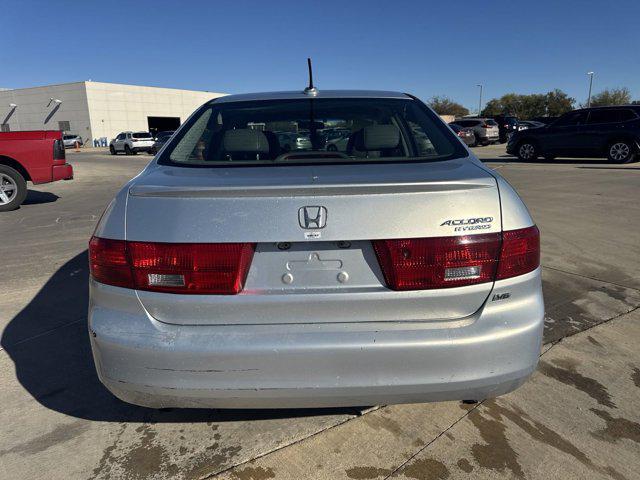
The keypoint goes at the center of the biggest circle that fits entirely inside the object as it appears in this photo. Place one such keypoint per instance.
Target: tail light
(58, 150)
(187, 268)
(445, 262)
(520, 252)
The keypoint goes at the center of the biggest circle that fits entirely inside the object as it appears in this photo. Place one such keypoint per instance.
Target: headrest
(377, 137)
(245, 140)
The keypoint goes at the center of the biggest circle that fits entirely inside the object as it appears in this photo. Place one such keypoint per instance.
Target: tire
(332, 148)
(112, 150)
(127, 150)
(13, 189)
(620, 151)
(476, 143)
(527, 151)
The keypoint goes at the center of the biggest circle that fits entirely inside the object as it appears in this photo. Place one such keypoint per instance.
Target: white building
(95, 109)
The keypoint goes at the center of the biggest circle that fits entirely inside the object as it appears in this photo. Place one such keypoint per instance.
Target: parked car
(160, 139)
(71, 140)
(486, 129)
(611, 132)
(293, 141)
(229, 273)
(507, 124)
(466, 134)
(337, 140)
(131, 143)
(29, 156)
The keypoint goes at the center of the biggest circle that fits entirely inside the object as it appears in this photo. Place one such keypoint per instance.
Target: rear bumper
(62, 172)
(149, 363)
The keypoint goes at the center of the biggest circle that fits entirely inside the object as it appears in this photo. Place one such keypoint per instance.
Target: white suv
(131, 143)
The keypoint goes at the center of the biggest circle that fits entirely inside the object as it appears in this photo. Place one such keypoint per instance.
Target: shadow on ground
(49, 345)
(35, 197)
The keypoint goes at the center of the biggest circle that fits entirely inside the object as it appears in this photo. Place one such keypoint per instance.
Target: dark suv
(507, 124)
(612, 132)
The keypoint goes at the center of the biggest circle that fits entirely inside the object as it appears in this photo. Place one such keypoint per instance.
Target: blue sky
(422, 47)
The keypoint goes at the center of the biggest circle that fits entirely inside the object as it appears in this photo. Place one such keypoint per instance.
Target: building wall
(96, 109)
(35, 111)
(114, 108)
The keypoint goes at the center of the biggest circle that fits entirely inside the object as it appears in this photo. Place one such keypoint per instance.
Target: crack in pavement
(590, 278)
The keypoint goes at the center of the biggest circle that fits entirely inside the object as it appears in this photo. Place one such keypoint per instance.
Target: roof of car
(292, 95)
(606, 107)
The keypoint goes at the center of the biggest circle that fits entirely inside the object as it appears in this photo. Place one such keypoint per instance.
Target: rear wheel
(527, 151)
(13, 189)
(127, 150)
(620, 152)
(112, 150)
(332, 148)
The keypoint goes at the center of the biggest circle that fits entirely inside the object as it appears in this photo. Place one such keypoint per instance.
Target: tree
(551, 103)
(558, 103)
(445, 106)
(615, 96)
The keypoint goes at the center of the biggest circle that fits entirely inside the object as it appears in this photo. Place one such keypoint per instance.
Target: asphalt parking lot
(578, 417)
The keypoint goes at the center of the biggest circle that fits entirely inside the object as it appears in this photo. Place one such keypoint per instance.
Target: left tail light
(58, 150)
(187, 268)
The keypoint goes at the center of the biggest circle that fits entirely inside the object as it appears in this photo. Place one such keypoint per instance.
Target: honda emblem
(312, 217)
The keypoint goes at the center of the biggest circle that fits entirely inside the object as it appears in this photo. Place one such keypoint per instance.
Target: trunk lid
(313, 275)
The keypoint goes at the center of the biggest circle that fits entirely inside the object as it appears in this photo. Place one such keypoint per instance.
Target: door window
(610, 116)
(571, 119)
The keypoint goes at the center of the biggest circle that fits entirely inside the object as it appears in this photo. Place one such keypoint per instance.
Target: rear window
(491, 122)
(311, 131)
(141, 135)
(467, 123)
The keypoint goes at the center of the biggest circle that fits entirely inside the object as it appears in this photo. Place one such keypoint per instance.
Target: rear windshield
(491, 122)
(141, 135)
(311, 131)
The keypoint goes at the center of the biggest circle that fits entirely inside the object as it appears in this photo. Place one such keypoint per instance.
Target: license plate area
(301, 267)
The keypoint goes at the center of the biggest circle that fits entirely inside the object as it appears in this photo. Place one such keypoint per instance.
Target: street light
(590, 84)
(480, 101)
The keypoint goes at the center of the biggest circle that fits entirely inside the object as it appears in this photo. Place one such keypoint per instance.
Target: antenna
(310, 90)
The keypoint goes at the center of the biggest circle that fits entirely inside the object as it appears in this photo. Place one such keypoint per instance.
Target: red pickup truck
(36, 156)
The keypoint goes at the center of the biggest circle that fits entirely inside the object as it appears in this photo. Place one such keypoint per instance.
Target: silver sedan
(234, 272)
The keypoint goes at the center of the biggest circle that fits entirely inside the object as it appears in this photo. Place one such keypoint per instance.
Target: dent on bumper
(150, 363)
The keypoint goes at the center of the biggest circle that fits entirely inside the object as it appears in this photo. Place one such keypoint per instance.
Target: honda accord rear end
(235, 273)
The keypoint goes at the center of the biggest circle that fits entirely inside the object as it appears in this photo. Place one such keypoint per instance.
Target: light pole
(480, 101)
(590, 85)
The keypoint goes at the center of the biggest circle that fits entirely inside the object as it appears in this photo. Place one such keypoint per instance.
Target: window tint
(142, 135)
(491, 122)
(571, 119)
(610, 116)
(311, 131)
(120, 137)
(467, 123)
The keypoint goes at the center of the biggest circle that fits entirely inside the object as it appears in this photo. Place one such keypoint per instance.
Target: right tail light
(520, 252)
(445, 262)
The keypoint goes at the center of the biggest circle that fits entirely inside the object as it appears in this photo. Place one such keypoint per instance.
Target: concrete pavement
(577, 416)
